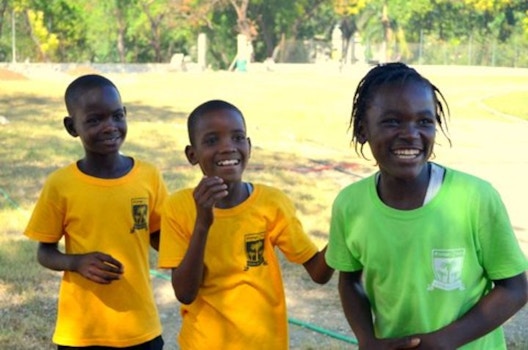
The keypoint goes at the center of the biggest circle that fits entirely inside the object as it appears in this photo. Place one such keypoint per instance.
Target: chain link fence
(430, 52)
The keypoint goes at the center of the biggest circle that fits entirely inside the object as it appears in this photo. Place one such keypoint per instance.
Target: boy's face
(400, 127)
(220, 145)
(99, 119)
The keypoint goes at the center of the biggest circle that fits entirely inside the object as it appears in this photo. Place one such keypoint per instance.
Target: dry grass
(298, 125)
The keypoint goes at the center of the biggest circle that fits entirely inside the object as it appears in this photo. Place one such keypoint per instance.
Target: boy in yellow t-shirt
(107, 207)
(219, 241)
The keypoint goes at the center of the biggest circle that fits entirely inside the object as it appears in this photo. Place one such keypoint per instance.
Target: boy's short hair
(206, 107)
(83, 84)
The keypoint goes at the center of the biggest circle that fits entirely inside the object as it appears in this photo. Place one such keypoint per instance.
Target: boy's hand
(206, 194)
(98, 267)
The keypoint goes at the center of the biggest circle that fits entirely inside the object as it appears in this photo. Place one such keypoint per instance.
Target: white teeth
(228, 162)
(407, 153)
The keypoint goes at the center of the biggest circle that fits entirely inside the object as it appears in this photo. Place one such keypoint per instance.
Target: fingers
(407, 343)
(110, 264)
(210, 190)
(99, 267)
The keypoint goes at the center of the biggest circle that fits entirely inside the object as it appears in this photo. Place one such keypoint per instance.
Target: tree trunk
(155, 40)
(121, 31)
(3, 8)
(41, 54)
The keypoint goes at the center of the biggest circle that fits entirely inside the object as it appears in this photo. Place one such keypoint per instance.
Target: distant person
(427, 257)
(219, 240)
(107, 208)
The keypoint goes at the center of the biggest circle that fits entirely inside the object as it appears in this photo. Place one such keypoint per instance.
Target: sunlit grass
(513, 104)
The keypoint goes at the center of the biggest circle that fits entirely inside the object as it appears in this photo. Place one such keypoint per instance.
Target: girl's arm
(318, 269)
(357, 309)
(507, 297)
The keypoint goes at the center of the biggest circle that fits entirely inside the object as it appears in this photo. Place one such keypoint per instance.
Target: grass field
(297, 119)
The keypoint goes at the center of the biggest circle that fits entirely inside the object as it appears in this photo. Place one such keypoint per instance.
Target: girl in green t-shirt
(427, 255)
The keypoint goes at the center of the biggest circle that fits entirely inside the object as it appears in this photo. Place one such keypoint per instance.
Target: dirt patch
(6, 74)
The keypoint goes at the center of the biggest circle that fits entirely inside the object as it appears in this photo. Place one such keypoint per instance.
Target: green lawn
(513, 103)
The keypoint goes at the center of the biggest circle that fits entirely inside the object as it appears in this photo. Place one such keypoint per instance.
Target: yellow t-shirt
(241, 304)
(116, 217)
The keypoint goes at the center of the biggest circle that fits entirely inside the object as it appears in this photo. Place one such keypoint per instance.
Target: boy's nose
(227, 145)
(110, 123)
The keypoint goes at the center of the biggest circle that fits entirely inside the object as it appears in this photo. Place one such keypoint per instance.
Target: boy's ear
(191, 155)
(69, 125)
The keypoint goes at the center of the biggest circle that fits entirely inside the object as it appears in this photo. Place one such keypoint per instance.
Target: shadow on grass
(136, 111)
(27, 297)
(34, 143)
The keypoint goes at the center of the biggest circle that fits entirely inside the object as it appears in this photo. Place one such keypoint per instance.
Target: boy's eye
(209, 141)
(119, 116)
(92, 120)
(239, 138)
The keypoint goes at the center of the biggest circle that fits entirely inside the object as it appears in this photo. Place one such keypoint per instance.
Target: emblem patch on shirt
(254, 244)
(139, 214)
(447, 269)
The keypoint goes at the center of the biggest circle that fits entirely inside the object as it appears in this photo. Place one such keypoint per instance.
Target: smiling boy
(106, 206)
(219, 241)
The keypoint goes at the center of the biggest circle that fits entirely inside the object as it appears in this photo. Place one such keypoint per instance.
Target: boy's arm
(97, 267)
(356, 307)
(155, 240)
(318, 269)
(188, 276)
(507, 297)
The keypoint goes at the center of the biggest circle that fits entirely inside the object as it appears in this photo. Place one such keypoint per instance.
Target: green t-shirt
(425, 268)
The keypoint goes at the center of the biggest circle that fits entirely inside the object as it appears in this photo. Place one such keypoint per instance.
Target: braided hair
(387, 73)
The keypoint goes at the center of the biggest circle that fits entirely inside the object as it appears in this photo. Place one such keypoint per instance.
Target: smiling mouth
(111, 140)
(228, 162)
(407, 153)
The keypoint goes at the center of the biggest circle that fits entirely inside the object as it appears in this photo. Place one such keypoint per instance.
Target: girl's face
(221, 146)
(400, 128)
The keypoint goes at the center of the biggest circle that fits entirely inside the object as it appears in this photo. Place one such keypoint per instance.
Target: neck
(237, 193)
(106, 167)
(404, 194)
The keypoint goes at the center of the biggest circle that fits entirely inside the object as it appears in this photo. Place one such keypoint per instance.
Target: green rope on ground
(322, 330)
(290, 320)
(9, 200)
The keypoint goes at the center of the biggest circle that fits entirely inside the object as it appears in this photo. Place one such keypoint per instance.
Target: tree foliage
(153, 30)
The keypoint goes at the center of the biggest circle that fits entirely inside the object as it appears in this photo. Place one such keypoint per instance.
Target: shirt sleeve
(291, 239)
(500, 252)
(159, 201)
(175, 233)
(338, 254)
(46, 222)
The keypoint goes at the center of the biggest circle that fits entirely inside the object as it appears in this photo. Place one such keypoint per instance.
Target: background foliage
(477, 32)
